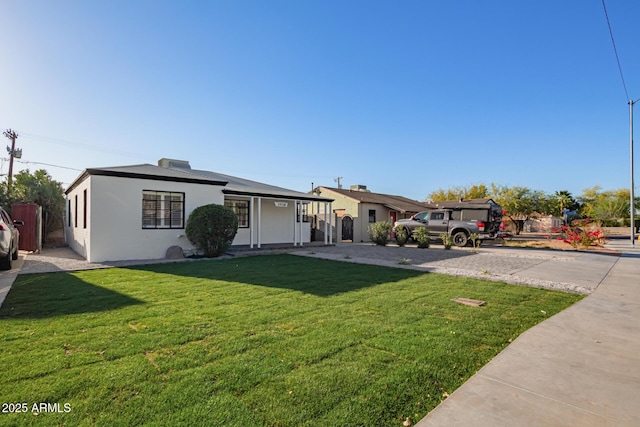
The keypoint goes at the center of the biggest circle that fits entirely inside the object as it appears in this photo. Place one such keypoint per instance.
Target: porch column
(338, 230)
(259, 221)
(326, 238)
(251, 222)
(300, 223)
(330, 223)
(295, 207)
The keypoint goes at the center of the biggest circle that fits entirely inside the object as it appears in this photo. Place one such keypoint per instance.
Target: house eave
(120, 174)
(302, 196)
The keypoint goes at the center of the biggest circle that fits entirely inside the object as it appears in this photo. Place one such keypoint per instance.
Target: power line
(91, 147)
(26, 162)
(615, 50)
(48, 164)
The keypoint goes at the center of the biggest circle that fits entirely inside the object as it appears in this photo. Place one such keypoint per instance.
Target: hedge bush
(402, 235)
(447, 240)
(212, 228)
(380, 232)
(421, 234)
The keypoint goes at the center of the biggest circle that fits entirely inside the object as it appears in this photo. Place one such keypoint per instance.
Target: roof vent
(359, 187)
(173, 163)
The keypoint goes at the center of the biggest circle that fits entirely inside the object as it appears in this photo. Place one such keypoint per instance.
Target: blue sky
(404, 97)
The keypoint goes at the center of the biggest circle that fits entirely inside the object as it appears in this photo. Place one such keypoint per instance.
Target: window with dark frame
(69, 213)
(241, 209)
(305, 215)
(372, 215)
(162, 209)
(84, 212)
(75, 213)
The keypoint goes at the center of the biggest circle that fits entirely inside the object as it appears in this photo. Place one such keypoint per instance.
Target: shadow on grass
(58, 294)
(309, 275)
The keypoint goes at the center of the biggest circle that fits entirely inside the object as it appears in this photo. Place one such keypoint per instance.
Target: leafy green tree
(589, 199)
(611, 208)
(39, 188)
(607, 206)
(520, 203)
(460, 192)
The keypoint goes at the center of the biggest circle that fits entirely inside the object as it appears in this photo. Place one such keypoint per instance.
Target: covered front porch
(273, 220)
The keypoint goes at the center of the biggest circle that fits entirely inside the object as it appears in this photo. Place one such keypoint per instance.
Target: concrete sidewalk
(579, 368)
(7, 277)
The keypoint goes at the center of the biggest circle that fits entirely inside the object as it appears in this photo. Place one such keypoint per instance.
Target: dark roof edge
(277, 196)
(84, 175)
(102, 172)
(393, 198)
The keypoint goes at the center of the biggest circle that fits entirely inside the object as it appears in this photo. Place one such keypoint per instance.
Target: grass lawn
(275, 340)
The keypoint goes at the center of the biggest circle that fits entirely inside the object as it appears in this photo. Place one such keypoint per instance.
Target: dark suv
(9, 240)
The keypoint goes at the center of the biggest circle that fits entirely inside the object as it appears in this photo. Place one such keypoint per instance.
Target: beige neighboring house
(357, 208)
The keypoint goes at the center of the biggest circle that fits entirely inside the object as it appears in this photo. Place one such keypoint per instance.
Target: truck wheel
(460, 239)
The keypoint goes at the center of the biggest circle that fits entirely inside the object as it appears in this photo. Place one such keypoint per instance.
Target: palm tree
(566, 201)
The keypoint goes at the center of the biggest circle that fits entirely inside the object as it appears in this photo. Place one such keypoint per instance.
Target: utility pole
(12, 135)
(632, 199)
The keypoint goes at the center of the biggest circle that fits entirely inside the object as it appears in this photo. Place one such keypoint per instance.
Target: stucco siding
(116, 218)
(363, 222)
(276, 226)
(76, 234)
(340, 202)
(358, 211)
(242, 237)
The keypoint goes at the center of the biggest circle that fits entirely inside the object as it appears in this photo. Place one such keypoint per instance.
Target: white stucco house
(137, 212)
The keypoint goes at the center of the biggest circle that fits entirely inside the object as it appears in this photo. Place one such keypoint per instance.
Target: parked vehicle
(458, 220)
(9, 240)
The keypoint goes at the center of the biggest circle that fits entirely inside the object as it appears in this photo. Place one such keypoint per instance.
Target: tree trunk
(519, 225)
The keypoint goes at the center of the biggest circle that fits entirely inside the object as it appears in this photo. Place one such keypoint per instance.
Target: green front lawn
(258, 341)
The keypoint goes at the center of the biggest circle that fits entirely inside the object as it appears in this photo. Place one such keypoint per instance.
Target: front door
(394, 216)
(347, 228)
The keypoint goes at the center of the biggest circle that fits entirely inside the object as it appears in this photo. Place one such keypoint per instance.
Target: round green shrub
(380, 232)
(211, 229)
(421, 235)
(402, 235)
(447, 240)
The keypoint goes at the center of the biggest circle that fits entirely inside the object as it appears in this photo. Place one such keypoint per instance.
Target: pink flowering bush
(578, 235)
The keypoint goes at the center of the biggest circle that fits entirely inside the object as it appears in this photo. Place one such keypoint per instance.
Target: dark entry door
(347, 228)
